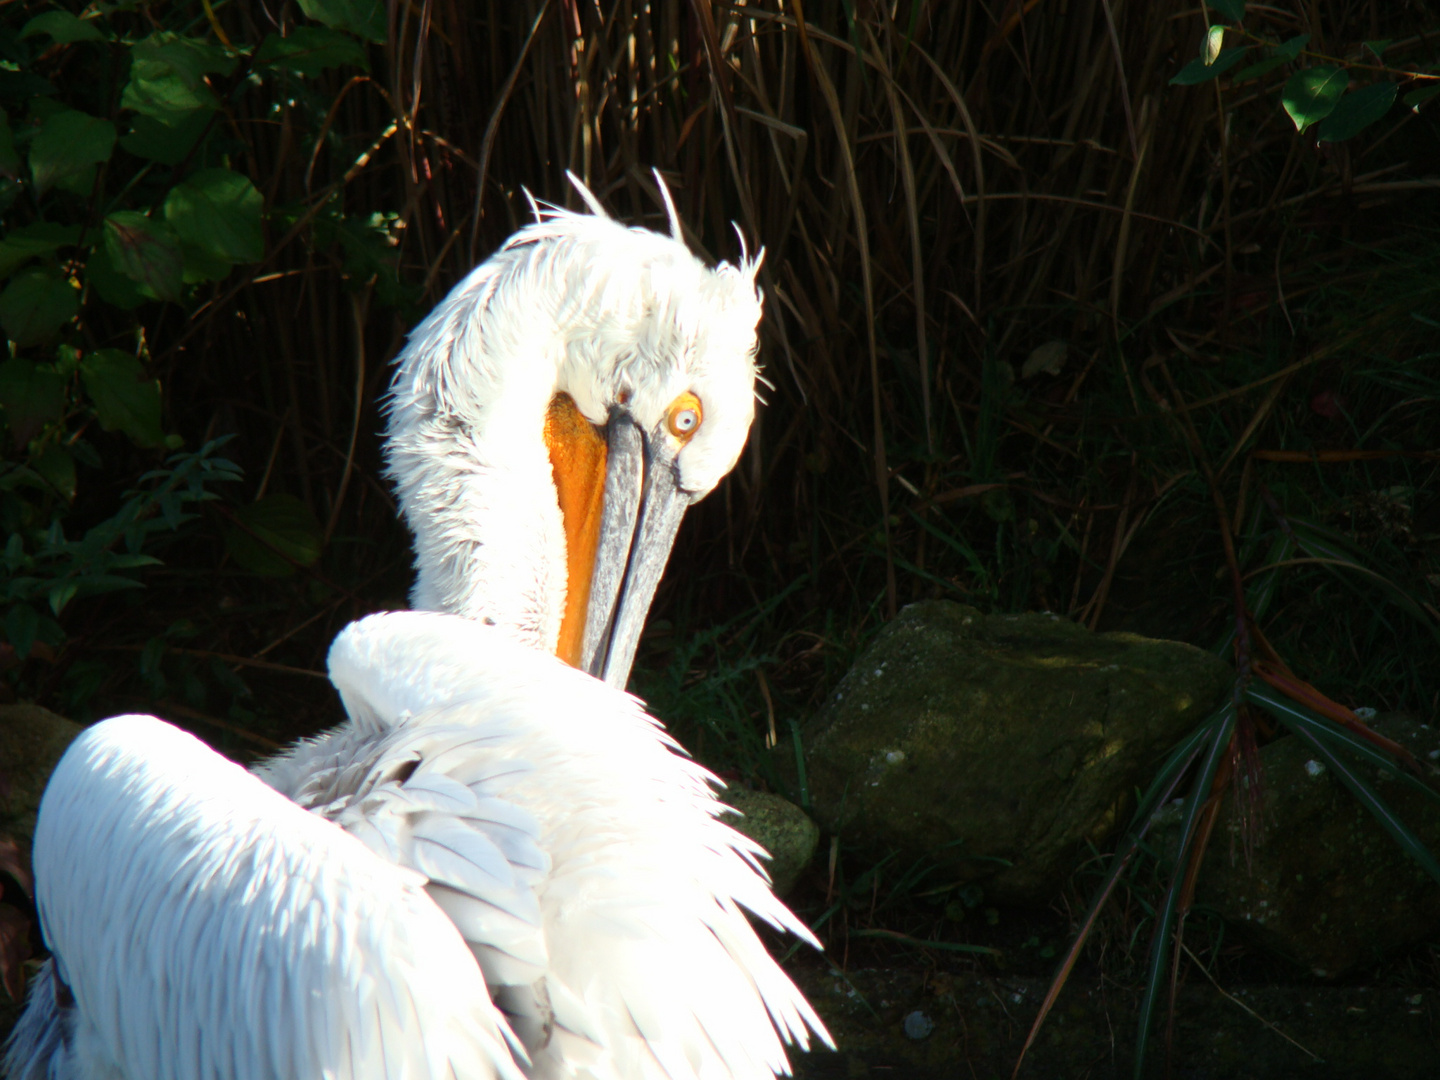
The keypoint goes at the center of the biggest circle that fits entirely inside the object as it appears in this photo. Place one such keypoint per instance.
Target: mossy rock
(780, 827)
(998, 745)
(32, 740)
(1324, 884)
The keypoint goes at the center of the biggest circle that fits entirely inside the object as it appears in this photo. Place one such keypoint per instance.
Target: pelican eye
(684, 416)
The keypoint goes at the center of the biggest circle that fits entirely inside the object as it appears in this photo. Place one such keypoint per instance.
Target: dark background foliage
(1054, 311)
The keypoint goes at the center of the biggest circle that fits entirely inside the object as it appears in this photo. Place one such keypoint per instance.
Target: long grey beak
(643, 508)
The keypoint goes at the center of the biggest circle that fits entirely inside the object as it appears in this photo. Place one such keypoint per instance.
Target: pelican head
(552, 419)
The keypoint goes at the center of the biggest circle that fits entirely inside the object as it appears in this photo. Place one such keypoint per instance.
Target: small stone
(918, 1025)
(780, 827)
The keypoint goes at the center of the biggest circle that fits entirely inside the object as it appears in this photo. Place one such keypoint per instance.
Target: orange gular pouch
(577, 459)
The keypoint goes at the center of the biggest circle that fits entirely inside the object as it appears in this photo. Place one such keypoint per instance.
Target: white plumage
(623, 321)
(551, 823)
(206, 927)
(578, 853)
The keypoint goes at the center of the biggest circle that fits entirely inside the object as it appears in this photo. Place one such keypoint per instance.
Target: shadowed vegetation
(1043, 331)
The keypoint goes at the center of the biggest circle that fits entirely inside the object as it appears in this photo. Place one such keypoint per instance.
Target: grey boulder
(997, 745)
(1325, 884)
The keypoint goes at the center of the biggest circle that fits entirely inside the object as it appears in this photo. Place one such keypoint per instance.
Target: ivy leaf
(1197, 71)
(33, 395)
(309, 50)
(1356, 111)
(125, 397)
(29, 241)
(69, 143)
(36, 304)
(63, 27)
(146, 251)
(276, 523)
(1311, 94)
(1234, 10)
(218, 213)
(1291, 49)
(363, 17)
(167, 77)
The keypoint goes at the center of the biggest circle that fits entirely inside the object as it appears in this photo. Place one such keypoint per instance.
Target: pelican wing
(639, 960)
(209, 929)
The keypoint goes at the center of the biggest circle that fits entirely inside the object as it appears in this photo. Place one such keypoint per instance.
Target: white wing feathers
(209, 928)
(576, 850)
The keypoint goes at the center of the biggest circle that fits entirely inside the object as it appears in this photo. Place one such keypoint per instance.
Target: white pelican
(549, 423)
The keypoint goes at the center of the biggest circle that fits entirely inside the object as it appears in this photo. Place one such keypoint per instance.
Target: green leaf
(1356, 111)
(1197, 71)
(218, 213)
(125, 397)
(33, 395)
(1378, 47)
(69, 143)
(146, 251)
(112, 283)
(10, 163)
(1291, 49)
(1245, 74)
(309, 50)
(167, 143)
(167, 77)
(29, 241)
(36, 304)
(267, 531)
(1416, 98)
(61, 594)
(1234, 10)
(1312, 93)
(363, 17)
(63, 27)
(21, 626)
(57, 465)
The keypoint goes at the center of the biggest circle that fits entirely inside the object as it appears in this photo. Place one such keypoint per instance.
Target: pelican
(554, 416)
(548, 425)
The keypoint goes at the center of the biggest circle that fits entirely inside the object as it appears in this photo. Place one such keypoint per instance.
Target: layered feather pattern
(578, 851)
(205, 928)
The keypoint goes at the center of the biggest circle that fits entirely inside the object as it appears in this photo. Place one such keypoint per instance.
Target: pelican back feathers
(634, 957)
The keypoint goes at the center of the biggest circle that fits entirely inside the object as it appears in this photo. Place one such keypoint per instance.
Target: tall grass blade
(1296, 716)
(1214, 752)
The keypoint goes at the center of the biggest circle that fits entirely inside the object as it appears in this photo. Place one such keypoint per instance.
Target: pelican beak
(643, 505)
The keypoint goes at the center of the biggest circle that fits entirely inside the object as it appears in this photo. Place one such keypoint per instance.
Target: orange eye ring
(684, 416)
